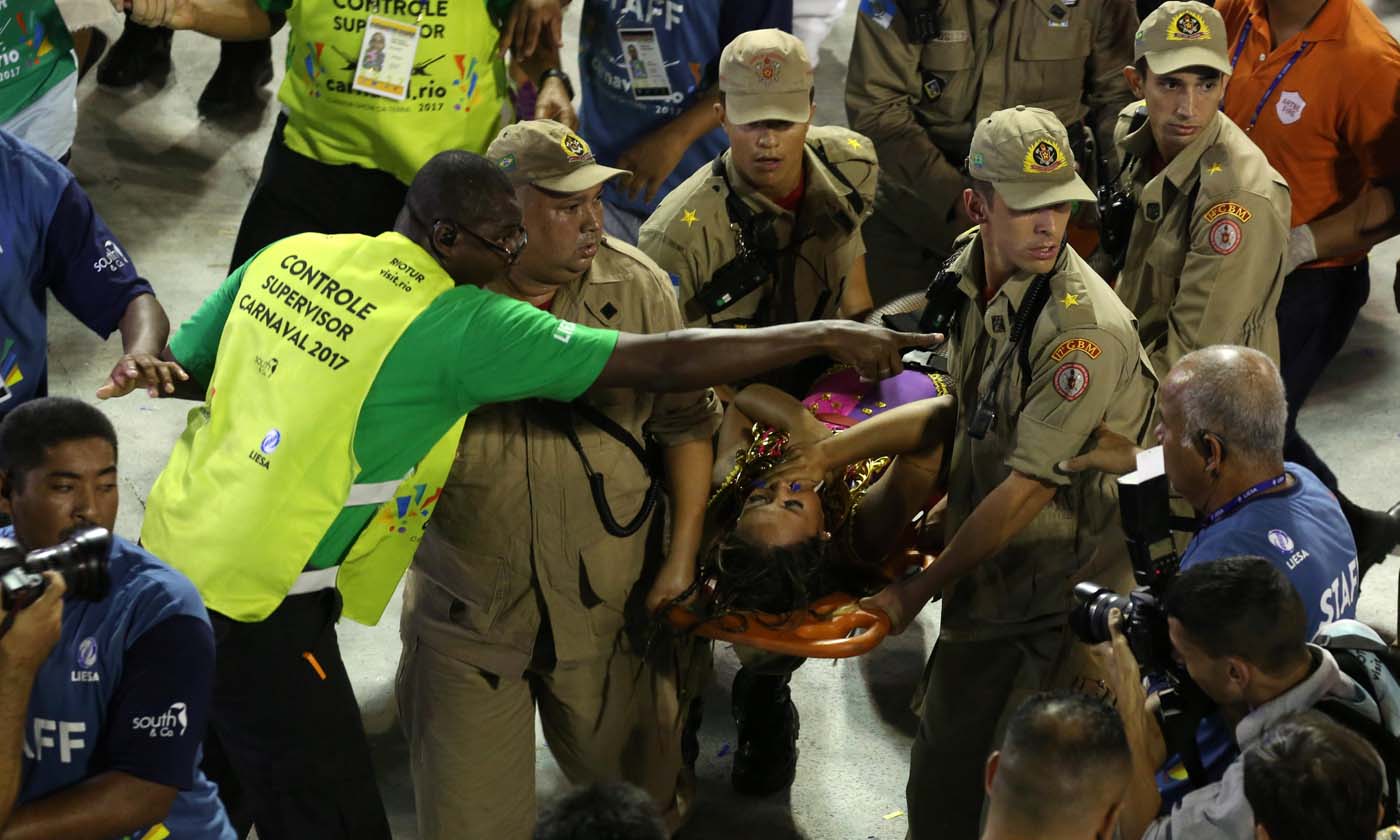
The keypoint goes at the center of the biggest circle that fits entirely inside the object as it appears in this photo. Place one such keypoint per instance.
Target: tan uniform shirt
(921, 102)
(1086, 369)
(517, 527)
(690, 236)
(1205, 256)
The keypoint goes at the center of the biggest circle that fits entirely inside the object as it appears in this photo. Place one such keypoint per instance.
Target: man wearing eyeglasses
(496, 626)
(336, 372)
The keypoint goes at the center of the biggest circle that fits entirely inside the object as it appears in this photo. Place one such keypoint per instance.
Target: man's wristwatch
(556, 73)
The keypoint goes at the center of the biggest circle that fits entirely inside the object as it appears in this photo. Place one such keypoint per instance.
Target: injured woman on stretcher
(816, 503)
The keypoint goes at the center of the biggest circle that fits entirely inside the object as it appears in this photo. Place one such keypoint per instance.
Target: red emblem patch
(1225, 236)
(1071, 380)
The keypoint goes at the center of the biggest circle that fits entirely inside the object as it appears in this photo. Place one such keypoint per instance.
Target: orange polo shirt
(1330, 125)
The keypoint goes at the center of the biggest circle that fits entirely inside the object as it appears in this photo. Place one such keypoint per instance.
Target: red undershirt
(790, 201)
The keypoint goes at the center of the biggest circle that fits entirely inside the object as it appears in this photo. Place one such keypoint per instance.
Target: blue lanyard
(1235, 503)
(1234, 57)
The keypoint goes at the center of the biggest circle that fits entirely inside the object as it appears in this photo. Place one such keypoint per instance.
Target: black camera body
(1146, 515)
(1117, 208)
(1145, 508)
(81, 560)
(731, 282)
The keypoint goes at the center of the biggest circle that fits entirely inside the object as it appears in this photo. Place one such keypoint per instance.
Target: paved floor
(173, 188)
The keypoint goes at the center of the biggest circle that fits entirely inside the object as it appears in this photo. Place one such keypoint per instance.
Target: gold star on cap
(1214, 168)
(688, 217)
(853, 142)
(1070, 300)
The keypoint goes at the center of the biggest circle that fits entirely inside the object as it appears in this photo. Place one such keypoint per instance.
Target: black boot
(142, 53)
(243, 68)
(1376, 532)
(766, 761)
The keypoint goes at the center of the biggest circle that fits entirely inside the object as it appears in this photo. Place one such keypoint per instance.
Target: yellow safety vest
(455, 96)
(268, 463)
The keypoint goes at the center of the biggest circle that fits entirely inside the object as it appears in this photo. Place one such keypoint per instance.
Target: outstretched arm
(144, 328)
(686, 360)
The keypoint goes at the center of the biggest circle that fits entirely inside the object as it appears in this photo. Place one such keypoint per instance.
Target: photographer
(1060, 773)
(1250, 501)
(117, 712)
(1239, 628)
(1221, 431)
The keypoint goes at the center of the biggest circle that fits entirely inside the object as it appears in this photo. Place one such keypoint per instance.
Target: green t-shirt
(36, 53)
(469, 348)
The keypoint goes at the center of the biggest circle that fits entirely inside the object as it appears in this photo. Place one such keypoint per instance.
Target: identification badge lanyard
(387, 53)
(1234, 57)
(644, 64)
(1235, 503)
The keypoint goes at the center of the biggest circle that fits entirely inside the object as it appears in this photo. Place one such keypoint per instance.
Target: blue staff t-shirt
(1302, 531)
(690, 36)
(127, 688)
(51, 240)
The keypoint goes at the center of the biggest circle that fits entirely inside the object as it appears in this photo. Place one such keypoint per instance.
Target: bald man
(1061, 772)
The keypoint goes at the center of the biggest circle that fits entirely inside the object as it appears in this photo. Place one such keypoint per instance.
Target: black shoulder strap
(740, 213)
(1036, 298)
(563, 418)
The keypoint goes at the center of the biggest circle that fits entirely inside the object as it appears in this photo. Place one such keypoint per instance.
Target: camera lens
(81, 559)
(1089, 618)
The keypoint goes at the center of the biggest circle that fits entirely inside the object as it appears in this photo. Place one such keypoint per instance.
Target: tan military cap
(1025, 154)
(1179, 35)
(547, 154)
(765, 75)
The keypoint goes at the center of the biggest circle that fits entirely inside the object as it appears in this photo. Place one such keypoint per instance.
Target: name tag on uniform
(386, 58)
(953, 36)
(644, 63)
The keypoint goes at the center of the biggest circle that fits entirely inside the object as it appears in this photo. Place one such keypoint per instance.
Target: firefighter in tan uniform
(1204, 262)
(1041, 353)
(923, 74)
(518, 592)
(769, 232)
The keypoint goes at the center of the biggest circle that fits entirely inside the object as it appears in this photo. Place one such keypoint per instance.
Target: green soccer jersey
(36, 53)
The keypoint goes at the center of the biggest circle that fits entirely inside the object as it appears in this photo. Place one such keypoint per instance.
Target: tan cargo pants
(471, 734)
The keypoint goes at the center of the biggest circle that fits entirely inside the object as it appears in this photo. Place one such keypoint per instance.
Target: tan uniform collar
(1184, 169)
(972, 273)
(823, 192)
(569, 296)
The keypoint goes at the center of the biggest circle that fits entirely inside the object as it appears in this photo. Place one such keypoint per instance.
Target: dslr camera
(81, 559)
(1146, 516)
(1147, 523)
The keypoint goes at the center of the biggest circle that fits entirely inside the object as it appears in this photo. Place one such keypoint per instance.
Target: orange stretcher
(832, 627)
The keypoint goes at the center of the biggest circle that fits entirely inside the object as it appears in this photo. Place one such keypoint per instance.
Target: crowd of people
(574, 371)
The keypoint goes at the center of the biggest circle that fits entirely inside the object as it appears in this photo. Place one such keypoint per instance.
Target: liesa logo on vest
(269, 444)
(86, 658)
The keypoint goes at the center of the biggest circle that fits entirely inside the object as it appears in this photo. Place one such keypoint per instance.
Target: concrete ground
(173, 188)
